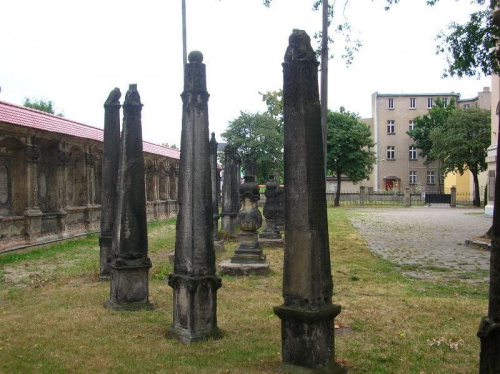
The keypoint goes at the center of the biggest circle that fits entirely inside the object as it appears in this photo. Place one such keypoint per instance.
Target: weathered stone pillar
(129, 286)
(110, 161)
(32, 213)
(407, 196)
(62, 180)
(489, 328)
(280, 203)
(218, 244)
(194, 281)
(271, 210)
(307, 314)
(453, 198)
(230, 202)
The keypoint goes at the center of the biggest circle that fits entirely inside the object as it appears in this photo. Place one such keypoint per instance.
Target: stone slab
(271, 243)
(230, 268)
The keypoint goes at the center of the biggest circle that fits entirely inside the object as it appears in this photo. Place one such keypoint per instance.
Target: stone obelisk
(110, 161)
(307, 314)
(194, 281)
(129, 286)
(230, 199)
(218, 244)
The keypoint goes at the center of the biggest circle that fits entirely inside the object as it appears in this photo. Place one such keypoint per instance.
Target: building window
(412, 125)
(413, 153)
(466, 106)
(430, 103)
(431, 177)
(391, 104)
(413, 177)
(413, 103)
(390, 127)
(441, 178)
(390, 152)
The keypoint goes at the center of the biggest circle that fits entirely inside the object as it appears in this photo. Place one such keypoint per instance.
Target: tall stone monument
(489, 328)
(230, 200)
(130, 264)
(307, 314)
(218, 244)
(194, 281)
(110, 161)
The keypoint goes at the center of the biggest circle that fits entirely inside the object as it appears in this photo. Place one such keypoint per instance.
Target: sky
(75, 52)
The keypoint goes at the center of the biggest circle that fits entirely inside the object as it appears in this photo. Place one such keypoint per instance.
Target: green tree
(436, 117)
(42, 105)
(462, 142)
(349, 148)
(257, 136)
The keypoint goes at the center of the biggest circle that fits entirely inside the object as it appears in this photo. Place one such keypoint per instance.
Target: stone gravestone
(110, 161)
(307, 313)
(271, 235)
(489, 328)
(130, 264)
(248, 257)
(218, 243)
(194, 281)
(230, 202)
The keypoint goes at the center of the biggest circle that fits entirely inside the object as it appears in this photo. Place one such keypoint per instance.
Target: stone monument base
(271, 243)
(307, 338)
(489, 333)
(232, 268)
(105, 242)
(129, 287)
(195, 308)
(219, 246)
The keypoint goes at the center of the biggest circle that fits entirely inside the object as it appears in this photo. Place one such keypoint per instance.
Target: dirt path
(427, 242)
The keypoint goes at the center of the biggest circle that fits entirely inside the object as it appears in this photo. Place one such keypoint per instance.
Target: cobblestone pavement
(427, 242)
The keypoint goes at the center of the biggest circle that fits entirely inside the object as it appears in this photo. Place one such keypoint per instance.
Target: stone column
(32, 213)
(194, 281)
(489, 328)
(362, 196)
(271, 210)
(407, 196)
(230, 202)
(63, 162)
(453, 198)
(307, 314)
(110, 161)
(129, 286)
(218, 244)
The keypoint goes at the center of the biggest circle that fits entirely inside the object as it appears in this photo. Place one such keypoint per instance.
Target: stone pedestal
(230, 202)
(489, 333)
(105, 245)
(129, 287)
(197, 295)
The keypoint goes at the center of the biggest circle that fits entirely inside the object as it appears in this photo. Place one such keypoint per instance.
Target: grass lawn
(52, 318)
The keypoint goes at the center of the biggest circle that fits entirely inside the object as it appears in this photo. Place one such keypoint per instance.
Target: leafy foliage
(42, 105)
(257, 136)
(421, 134)
(349, 145)
(462, 142)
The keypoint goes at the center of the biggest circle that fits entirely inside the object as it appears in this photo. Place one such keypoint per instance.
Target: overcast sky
(75, 52)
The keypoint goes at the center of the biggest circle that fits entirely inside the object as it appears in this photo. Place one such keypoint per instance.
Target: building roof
(35, 119)
(417, 94)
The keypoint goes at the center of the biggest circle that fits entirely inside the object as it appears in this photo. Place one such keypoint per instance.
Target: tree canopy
(462, 142)
(42, 105)
(349, 146)
(421, 134)
(257, 136)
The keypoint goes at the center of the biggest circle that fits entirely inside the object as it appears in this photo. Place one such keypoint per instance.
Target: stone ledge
(230, 268)
(477, 244)
(271, 243)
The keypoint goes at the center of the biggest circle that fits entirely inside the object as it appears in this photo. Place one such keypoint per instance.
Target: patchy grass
(53, 319)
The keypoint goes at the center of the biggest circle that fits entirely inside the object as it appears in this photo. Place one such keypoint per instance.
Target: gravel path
(428, 242)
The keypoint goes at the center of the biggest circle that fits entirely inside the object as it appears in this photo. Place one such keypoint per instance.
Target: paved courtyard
(428, 242)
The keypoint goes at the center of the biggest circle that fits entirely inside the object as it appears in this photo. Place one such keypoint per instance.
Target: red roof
(35, 119)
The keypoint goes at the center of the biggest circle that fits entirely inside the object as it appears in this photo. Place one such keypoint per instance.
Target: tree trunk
(477, 199)
(337, 194)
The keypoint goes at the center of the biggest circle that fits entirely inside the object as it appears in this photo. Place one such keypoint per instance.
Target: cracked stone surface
(427, 242)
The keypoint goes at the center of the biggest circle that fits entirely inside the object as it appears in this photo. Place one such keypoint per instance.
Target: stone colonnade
(50, 186)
